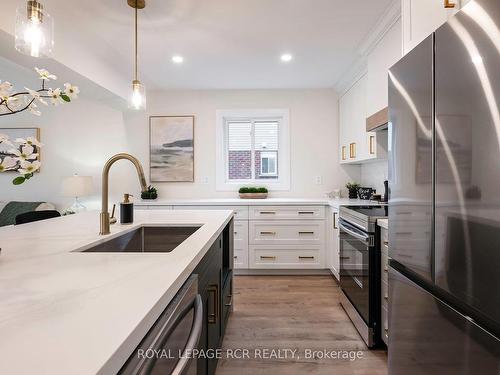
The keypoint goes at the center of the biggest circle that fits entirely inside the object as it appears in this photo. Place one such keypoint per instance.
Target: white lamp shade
(77, 186)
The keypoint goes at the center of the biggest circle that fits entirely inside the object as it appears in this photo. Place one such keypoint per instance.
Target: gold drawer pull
(230, 301)
(306, 233)
(268, 233)
(345, 257)
(267, 257)
(306, 212)
(308, 257)
(267, 212)
(448, 4)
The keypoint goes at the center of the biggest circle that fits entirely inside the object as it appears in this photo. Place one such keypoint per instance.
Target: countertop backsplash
(374, 174)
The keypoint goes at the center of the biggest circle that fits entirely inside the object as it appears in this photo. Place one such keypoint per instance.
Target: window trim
(283, 181)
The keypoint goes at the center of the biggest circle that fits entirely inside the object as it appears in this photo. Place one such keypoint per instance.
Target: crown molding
(390, 16)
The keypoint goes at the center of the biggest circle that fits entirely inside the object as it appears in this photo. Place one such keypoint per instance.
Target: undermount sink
(146, 240)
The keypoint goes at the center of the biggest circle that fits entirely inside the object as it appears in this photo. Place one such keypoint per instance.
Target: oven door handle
(356, 235)
(192, 342)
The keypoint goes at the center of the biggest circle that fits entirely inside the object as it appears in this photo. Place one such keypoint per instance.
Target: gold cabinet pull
(306, 212)
(304, 257)
(267, 212)
(268, 233)
(371, 144)
(214, 316)
(345, 258)
(449, 4)
(230, 301)
(352, 150)
(300, 233)
(267, 257)
(335, 221)
(344, 153)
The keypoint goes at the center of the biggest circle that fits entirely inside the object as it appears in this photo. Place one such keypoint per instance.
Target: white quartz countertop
(384, 223)
(257, 202)
(68, 312)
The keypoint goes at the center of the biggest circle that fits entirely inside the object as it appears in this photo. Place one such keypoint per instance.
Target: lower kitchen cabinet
(213, 289)
(333, 242)
(384, 268)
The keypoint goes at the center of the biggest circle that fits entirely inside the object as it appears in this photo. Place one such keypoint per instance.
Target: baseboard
(304, 272)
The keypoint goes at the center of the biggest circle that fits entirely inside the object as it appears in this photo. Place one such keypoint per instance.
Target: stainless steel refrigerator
(444, 208)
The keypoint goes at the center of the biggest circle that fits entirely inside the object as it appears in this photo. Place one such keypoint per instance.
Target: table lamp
(76, 187)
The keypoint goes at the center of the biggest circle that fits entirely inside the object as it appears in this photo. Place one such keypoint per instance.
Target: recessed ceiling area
(224, 44)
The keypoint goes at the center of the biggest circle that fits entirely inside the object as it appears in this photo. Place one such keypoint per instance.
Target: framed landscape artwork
(171, 140)
(13, 134)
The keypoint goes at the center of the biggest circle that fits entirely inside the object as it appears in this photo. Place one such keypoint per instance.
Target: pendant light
(34, 31)
(137, 98)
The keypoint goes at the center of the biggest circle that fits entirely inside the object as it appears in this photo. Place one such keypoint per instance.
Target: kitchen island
(65, 311)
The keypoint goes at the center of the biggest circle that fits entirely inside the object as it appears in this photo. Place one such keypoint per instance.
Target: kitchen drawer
(286, 232)
(286, 257)
(286, 212)
(240, 258)
(155, 207)
(385, 326)
(241, 235)
(385, 294)
(384, 237)
(384, 267)
(240, 212)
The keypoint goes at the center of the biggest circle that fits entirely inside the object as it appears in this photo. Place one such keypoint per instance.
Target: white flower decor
(16, 102)
(23, 157)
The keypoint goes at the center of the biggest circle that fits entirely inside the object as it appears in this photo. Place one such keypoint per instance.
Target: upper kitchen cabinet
(385, 54)
(353, 137)
(422, 17)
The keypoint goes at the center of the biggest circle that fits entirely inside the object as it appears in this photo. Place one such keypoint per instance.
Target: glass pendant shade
(137, 99)
(34, 32)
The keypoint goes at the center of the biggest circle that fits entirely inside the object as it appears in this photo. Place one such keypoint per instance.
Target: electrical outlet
(319, 180)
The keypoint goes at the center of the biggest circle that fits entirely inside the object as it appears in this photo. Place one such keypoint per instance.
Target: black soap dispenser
(126, 210)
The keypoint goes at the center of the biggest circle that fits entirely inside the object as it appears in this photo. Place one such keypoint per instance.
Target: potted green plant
(253, 192)
(151, 193)
(353, 187)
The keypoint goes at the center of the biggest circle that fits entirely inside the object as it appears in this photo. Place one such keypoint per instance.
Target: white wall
(313, 128)
(80, 136)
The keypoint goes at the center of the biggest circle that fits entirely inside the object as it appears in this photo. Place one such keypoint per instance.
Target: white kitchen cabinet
(352, 108)
(333, 243)
(387, 52)
(422, 17)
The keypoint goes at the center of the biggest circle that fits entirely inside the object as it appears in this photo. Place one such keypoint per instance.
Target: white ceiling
(226, 44)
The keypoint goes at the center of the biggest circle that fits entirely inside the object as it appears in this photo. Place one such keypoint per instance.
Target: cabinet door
(423, 17)
(334, 246)
(359, 140)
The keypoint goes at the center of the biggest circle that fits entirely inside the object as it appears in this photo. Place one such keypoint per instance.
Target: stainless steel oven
(360, 269)
(167, 349)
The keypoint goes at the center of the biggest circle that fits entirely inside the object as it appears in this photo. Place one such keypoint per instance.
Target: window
(268, 164)
(252, 149)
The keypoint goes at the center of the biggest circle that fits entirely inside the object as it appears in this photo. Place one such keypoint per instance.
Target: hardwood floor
(297, 313)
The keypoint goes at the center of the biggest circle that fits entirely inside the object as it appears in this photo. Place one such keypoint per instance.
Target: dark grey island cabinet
(201, 309)
(215, 284)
